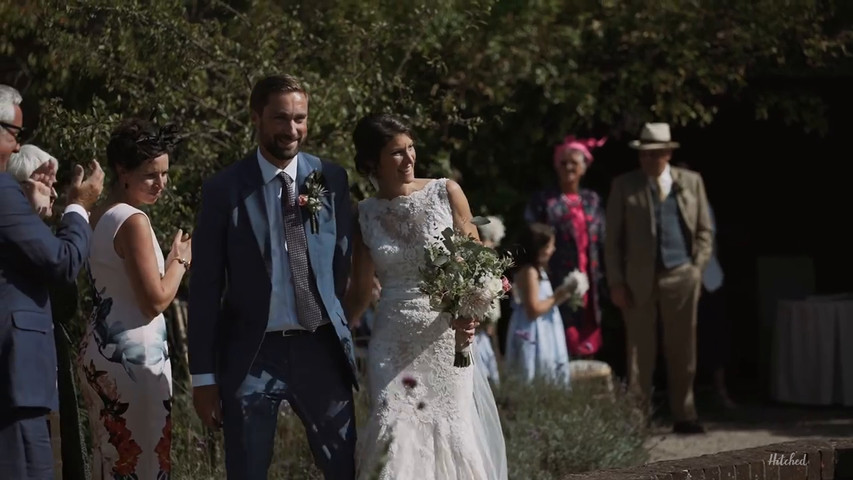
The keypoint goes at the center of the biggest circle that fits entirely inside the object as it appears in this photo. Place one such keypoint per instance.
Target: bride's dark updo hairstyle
(136, 141)
(370, 136)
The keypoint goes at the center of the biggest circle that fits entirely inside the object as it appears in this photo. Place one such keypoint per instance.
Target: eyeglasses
(14, 130)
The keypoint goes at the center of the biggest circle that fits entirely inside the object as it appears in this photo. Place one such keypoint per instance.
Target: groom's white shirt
(282, 297)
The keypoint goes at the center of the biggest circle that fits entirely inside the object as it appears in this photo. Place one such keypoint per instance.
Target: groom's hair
(273, 84)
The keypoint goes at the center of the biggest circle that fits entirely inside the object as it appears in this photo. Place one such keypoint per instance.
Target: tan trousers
(674, 299)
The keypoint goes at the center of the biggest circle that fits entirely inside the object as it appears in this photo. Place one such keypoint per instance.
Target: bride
(429, 420)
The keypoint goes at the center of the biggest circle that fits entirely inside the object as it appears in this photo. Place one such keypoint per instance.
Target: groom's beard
(282, 153)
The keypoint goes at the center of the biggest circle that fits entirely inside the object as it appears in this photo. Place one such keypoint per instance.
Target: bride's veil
(490, 437)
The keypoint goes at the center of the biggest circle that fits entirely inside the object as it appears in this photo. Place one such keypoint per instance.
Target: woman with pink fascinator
(577, 216)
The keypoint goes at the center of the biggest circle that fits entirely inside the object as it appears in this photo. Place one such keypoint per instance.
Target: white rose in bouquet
(498, 285)
(494, 285)
(476, 303)
(579, 283)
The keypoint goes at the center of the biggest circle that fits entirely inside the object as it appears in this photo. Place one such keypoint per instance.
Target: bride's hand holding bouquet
(466, 329)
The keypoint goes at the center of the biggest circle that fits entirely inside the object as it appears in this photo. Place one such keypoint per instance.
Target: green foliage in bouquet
(463, 278)
(576, 302)
(455, 266)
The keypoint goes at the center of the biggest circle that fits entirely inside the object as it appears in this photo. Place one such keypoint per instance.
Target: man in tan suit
(659, 239)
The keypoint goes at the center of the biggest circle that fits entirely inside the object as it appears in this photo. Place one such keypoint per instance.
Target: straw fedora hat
(654, 136)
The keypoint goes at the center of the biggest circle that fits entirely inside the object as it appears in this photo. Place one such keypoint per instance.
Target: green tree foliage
(488, 84)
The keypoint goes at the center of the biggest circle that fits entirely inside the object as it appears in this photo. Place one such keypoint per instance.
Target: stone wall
(799, 460)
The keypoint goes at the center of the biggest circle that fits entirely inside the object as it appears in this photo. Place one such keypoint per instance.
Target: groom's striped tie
(308, 307)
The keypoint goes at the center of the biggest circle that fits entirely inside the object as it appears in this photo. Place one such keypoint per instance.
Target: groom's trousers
(307, 370)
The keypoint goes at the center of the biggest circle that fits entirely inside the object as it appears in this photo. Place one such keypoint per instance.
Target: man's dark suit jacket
(31, 258)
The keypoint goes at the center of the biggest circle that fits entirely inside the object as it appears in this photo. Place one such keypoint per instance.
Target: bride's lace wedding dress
(429, 420)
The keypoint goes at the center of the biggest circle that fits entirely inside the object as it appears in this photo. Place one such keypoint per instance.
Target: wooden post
(178, 329)
(55, 443)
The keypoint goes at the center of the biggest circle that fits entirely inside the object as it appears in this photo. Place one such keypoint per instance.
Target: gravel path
(750, 426)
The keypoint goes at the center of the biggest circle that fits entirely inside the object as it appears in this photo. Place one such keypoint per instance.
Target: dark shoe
(688, 427)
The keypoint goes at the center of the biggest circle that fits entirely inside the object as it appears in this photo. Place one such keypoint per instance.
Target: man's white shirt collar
(665, 180)
(270, 171)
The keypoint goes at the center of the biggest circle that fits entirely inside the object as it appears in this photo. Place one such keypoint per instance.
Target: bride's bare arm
(358, 295)
(461, 210)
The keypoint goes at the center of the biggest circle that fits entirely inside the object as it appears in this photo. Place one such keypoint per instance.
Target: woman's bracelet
(183, 262)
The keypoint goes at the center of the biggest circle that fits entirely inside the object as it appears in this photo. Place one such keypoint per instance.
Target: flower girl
(536, 343)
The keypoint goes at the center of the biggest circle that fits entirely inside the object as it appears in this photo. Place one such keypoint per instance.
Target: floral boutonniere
(311, 199)
(679, 191)
(676, 187)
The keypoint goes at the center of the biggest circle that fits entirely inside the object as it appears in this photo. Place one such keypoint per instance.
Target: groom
(265, 323)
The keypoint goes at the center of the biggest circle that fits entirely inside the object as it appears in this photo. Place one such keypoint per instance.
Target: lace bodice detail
(396, 231)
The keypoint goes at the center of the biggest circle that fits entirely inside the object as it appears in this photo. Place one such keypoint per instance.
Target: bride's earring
(372, 179)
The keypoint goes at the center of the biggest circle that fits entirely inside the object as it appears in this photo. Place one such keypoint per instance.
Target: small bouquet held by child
(578, 282)
(463, 278)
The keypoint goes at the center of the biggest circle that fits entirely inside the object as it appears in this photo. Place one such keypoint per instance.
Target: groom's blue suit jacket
(31, 258)
(230, 278)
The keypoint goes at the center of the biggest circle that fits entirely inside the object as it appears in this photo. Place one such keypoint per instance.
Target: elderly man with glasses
(31, 258)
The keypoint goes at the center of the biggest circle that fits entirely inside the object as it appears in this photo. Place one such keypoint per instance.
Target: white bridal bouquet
(579, 283)
(463, 278)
